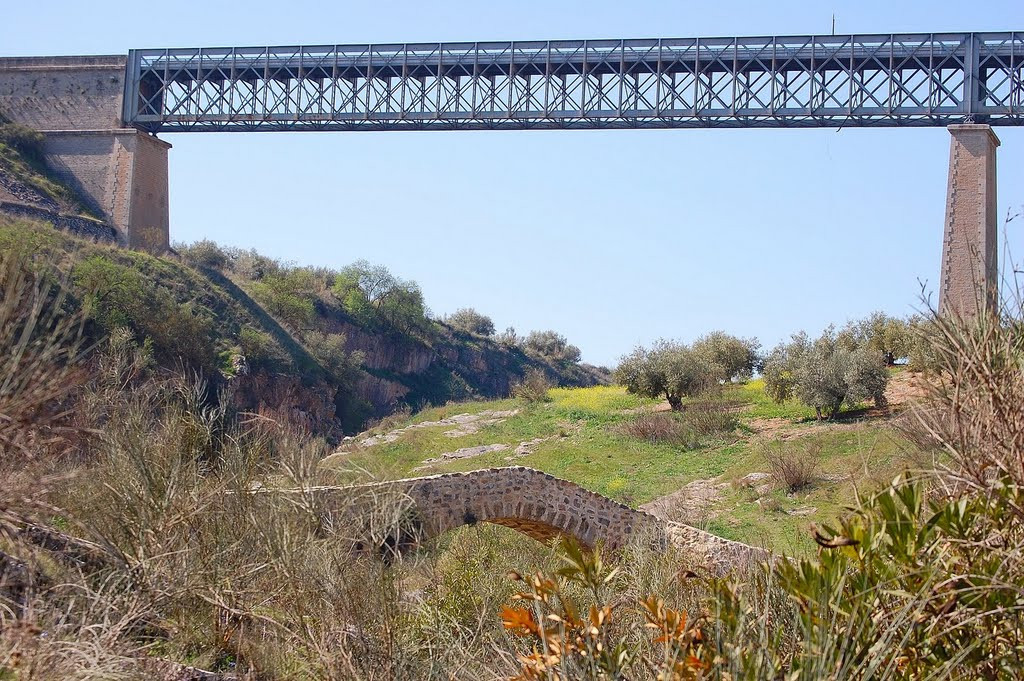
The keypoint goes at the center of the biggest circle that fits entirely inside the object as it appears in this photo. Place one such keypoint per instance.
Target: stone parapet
(63, 93)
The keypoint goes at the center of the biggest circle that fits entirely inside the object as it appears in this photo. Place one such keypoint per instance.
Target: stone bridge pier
(969, 281)
(119, 172)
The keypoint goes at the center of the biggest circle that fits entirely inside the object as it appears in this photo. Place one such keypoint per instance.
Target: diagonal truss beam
(919, 79)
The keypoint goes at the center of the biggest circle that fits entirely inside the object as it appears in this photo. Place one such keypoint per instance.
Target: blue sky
(613, 238)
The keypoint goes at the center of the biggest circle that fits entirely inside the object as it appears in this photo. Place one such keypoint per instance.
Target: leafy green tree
(329, 351)
(288, 295)
(470, 321)
(670, 370)
(372, 295)
(738, 357)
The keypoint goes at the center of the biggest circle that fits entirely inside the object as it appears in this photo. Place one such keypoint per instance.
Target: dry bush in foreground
(215, 541)
(973, 411)
(710, 414)
(793, 465)
(40, 345)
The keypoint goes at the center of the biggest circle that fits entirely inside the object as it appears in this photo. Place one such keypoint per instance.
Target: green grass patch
(583, 444)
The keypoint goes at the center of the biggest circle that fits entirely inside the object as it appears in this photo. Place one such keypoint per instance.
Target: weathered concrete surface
(542, 506)
(969, 280)
(121, 173)
(63, 93)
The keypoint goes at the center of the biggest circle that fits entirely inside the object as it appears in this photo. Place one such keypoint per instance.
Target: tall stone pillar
(968, 284)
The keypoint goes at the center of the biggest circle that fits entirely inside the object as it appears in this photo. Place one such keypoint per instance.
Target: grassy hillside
(581, 435)
(290, 352)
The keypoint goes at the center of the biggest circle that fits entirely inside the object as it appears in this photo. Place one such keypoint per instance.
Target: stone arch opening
(536, 504)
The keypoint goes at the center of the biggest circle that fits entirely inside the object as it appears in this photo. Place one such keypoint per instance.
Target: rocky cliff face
(451, 366)
(389, 352)
(285, 399)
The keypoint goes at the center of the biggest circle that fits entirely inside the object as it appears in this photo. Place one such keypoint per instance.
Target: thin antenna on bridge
(833, 23)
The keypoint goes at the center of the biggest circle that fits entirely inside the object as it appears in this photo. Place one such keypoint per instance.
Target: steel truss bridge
(913, 79)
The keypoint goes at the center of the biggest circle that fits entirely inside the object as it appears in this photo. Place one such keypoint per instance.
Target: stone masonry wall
(87, 162)
(149, 217)
(120, 174)
(63, 93)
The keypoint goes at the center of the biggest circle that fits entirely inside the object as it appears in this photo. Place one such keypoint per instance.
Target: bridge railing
(897, 79)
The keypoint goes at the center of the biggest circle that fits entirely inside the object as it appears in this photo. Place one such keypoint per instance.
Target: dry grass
(40, 344)
(703, 418)
(657, 428)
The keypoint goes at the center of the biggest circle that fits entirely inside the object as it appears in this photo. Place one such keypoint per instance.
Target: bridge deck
(893, 79)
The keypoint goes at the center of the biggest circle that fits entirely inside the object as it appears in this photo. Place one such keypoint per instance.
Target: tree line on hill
(368, 294)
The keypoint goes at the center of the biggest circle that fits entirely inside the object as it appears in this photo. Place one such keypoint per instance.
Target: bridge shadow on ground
(309, 367)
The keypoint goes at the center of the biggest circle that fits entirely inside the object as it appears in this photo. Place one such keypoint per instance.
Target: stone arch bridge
(543, 507)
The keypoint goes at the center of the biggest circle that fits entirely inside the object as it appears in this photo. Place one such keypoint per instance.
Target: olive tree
(738, 357)
(825, 373)
(470, 321)
(670, 370)
(552, 346)
(891, 337)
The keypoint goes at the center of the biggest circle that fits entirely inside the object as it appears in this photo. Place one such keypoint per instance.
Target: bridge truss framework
(924, 79)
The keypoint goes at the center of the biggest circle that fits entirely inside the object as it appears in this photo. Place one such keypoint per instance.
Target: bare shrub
(468, 320)
(657, 428)
(710, 415)
(533, 388)
(552, 346)
(204, 254)
(793, 465)
(703, 419)
(972, 407)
